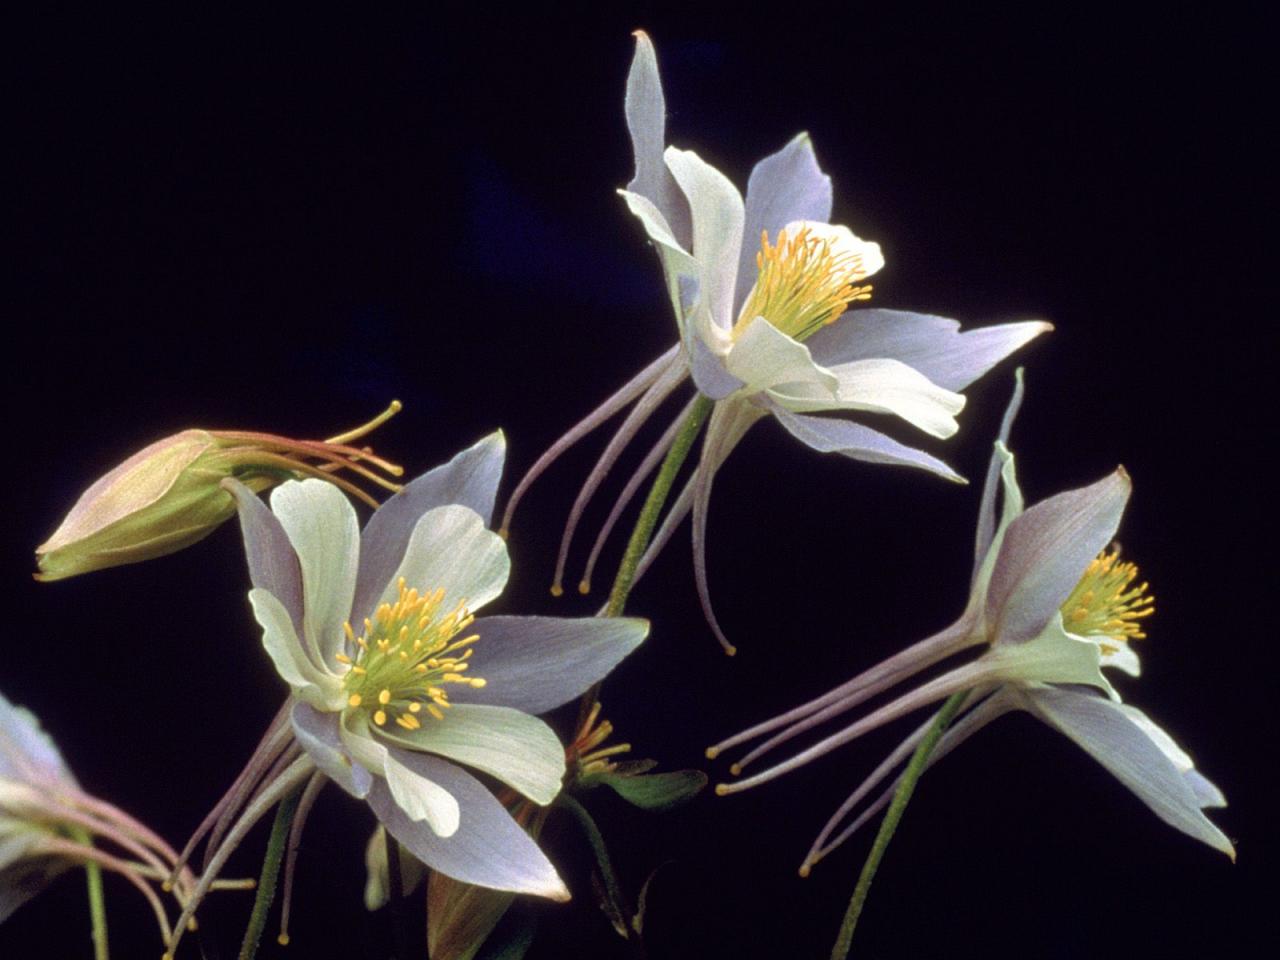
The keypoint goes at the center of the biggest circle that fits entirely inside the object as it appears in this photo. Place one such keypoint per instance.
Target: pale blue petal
(321, 525)
(1103, 730)
(709, 373)
(489, 849)
(784, 187)
(27, 753)
(318, 734)
(1045, 551)
(933, 345)
(470, 479)
(518, 749)
(859, 442)
(646, 111)
(536, 664)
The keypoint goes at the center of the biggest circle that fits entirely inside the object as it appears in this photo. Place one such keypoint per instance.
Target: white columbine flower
(397, 683)
(1051, 606)
(760, 290)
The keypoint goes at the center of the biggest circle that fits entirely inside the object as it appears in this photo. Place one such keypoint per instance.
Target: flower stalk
(266, 894)
(901, 797)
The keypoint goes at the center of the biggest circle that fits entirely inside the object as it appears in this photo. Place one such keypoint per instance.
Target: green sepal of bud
(169, 495)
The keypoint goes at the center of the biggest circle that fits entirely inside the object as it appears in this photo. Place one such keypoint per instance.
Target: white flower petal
(421, 798)
(763, 357)
(470, 479)
(321, 524)
(844, 244)
(310, 683)
(881, 386)
(518, 749)
(1054, 656)
(717, 210)
(451, 548)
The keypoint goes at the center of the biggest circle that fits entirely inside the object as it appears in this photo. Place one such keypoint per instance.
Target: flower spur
(1052, 606)
(764, 330)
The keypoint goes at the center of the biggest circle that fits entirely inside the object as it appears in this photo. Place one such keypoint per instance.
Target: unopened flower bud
(169, 495)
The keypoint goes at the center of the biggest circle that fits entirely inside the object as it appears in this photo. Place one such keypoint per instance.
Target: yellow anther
(283, 939)
(346, 628)
(408, 721)
(380, 718)
(712, 753)
(803, 283)
(477, 682)
(1103, 605)
(434, 711)
(342, 658)
(415, 707)
(358, 671)
(384, 697)
(721, 790)
(354, 700)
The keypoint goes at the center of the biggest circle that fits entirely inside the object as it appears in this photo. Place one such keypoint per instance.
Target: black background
(281, 221)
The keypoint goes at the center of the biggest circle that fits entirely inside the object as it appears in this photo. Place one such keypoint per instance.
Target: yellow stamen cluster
(803, 284)
(400, 664)
(586, 750)
(1104, 604)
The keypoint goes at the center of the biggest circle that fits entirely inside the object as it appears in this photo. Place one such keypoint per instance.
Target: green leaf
(657, 791)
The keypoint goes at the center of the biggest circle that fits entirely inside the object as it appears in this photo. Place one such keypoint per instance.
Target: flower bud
(168, 495)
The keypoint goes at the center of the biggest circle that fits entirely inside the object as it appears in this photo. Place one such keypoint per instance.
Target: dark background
(281, 221)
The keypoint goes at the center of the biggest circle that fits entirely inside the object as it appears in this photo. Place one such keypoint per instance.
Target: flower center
(803, 283)
(1103, 604)
(402, 662)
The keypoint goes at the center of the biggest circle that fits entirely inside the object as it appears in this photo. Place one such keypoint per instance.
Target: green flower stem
(647, 520)
(898, 806)
(97, 909)
(612, 888)
(653, 504)
(266, 892)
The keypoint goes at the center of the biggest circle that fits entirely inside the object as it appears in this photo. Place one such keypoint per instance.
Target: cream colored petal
(420, 798)
(450, 548)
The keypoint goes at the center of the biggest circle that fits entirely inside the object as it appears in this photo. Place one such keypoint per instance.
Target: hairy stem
(898, 806)
(266, 892)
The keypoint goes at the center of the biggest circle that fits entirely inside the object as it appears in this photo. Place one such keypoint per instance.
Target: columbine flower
(48, 824)
(168, 495)
(395, 682)
(760, 290)
(1051, 605)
